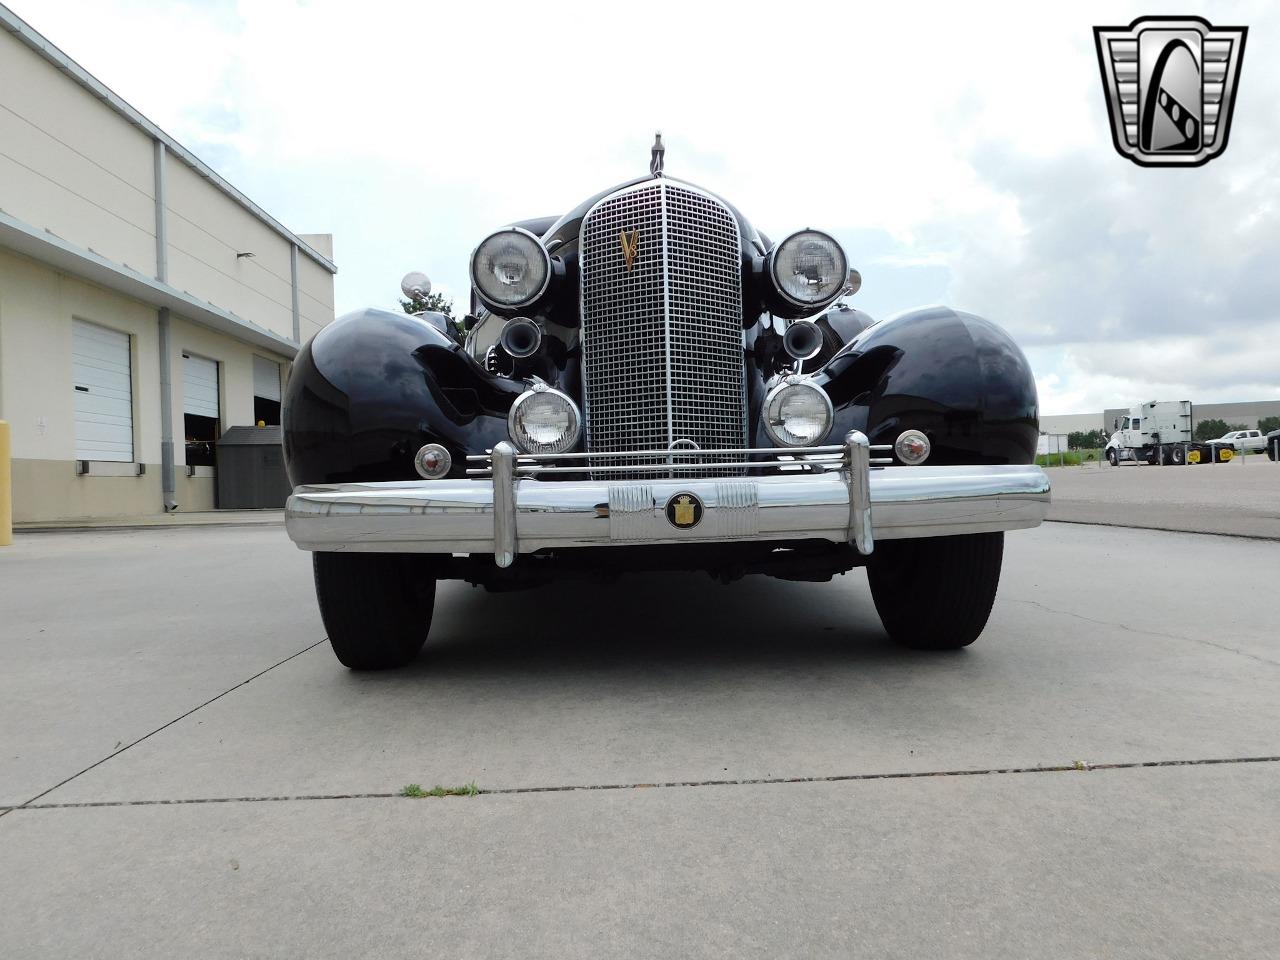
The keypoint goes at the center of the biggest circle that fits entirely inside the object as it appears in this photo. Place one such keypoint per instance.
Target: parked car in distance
(1251, 441)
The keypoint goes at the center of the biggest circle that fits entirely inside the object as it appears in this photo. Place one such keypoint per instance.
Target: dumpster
(251, 472)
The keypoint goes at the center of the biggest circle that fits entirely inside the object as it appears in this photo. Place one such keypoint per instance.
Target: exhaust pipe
(803, 340)
(520, 338)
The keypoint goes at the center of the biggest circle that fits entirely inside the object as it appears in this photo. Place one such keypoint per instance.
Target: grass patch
(415, 790)
(1071, 458)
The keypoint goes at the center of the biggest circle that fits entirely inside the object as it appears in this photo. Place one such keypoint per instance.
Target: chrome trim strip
(787, 451)
(666, 307)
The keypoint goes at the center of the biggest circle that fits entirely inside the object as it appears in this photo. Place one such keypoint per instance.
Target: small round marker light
(912, 447)
(432, 462)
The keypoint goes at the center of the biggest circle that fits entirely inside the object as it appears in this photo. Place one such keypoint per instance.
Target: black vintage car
(649, 382)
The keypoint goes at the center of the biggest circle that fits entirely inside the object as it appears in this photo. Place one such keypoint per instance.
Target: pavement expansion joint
(1076, 766)
(1143, 526)
(164, 726)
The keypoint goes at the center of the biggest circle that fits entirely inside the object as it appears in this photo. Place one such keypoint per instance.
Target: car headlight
(809, 268)
(797, 413)
(510, 268)
(543, 420)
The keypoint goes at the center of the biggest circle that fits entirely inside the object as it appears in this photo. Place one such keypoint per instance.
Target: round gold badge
(684, 511)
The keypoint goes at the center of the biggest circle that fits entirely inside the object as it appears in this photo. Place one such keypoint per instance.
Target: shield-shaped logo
(684, 510)
(1171, 87)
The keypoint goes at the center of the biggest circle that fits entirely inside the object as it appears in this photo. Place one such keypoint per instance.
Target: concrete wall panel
(70, 165)
(206, 231)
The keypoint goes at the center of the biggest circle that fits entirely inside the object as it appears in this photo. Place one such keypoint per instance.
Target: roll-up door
(200, 409)
(104, 393)
(200, 386)
(266, 392)
(266, 379)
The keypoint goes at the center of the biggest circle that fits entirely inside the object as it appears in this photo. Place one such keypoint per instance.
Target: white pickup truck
(1242, 441)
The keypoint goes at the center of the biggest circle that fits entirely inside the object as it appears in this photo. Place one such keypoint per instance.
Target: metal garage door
(200, 386)
(266, 379)
(104, 393)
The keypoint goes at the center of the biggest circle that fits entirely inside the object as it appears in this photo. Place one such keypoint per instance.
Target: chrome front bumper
(838, 493)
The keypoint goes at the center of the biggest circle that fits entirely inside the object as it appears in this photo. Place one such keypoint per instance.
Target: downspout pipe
(168, 477)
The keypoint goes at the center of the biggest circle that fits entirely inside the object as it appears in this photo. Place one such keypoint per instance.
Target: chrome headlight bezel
(772, 406)
(520, 437)
(838, 280)
(537, 254)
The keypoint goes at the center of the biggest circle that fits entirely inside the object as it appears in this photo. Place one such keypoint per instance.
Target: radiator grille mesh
(662, 341)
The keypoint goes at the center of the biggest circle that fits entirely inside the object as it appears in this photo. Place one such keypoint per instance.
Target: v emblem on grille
(630, 246)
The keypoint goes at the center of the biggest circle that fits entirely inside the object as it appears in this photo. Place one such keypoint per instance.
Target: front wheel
(1179, 455)
(935, 593)
(1113, 458)
(376, 607)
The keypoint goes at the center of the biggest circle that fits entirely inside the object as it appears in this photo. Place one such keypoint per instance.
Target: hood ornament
(656, 155)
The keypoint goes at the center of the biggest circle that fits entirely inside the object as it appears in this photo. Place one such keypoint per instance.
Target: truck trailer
(1159, 432)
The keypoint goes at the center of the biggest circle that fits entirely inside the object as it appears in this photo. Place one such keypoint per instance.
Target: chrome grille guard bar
(839, 493)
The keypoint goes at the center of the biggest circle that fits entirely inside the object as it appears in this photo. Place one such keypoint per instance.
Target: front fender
(955, 376)
(372, 387)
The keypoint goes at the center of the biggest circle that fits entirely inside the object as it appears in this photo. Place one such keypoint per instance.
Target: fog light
(912, 447)
(797, 413)
(543, 420)
(432, 462)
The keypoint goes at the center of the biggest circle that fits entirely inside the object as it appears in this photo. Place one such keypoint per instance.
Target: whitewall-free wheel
(935, 593)
(376, 607)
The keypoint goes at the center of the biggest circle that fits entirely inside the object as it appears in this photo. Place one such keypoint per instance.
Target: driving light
(543, 420)
(912, 447)
(432, 461)
(797, 413)
(510, 268)
(809, 268)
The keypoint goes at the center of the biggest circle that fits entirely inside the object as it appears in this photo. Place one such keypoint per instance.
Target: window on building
(266, 392)
(200, 409)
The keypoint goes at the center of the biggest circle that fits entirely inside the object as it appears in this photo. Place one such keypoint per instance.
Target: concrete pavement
(207, 685)
(1240, 498)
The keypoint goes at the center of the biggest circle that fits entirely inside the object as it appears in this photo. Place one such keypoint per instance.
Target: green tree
(435, 302)
(1213, 428)
(1267, 424)
(1086, 439)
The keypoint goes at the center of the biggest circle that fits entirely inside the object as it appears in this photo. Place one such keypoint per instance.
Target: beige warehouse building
(146, 305)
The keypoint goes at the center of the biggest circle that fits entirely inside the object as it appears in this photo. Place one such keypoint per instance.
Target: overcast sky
(960, 152)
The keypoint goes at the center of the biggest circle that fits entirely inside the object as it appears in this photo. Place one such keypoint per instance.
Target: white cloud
(971, 142)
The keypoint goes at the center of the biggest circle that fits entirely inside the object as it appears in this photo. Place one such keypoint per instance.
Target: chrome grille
(662, 341)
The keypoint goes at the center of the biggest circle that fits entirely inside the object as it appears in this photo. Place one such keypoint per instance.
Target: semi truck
(1159, 432)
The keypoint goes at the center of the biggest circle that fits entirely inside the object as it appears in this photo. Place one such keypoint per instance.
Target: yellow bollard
(6, 488)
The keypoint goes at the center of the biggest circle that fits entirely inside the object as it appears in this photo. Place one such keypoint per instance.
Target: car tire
(1112, 458)
(1178, 455)
(1273, 449)
(935, 593)
(376, 607)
